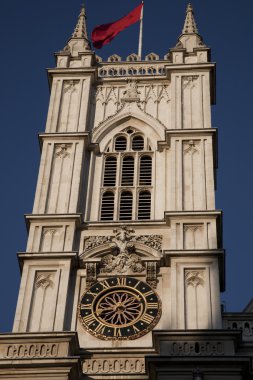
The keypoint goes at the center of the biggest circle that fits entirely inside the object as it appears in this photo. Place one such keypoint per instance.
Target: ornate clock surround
(119, 308)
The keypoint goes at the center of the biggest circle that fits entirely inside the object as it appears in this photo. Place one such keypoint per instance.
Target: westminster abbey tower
(124, 265)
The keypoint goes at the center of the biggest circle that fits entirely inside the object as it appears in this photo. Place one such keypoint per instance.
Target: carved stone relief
(122, 258)
(191, 147)
(122, 263)
(131, 92)
(62, 150)
(44, 280)
(195, 277)
(190, 81)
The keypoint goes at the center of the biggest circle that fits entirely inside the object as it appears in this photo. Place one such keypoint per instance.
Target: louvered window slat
(138, 143)
(145, 174)
(127, 177)
(107, 208)
(120, 144)
(110, 172)
(144, 205)
(126, 203)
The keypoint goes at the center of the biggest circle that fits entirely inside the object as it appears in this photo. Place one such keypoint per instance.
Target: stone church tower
(124, 265)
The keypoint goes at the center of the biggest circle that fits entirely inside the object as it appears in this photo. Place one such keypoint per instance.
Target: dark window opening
(138, 143)
(110, 172)
(127, 177)
(120, 144)
(126, 203)
(107, 208)
(145, 175)
(144, 206)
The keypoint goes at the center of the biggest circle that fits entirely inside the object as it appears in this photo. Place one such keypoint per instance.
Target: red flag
(103, 34)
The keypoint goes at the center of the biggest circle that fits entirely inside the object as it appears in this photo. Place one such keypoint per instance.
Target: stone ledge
(220, 253)
(196, 343)
(77, 218)
(24, 346)
(24, 256)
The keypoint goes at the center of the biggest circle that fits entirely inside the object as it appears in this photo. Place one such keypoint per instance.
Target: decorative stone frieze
(114, 366)
(197, 348)
(131, 70)
(30, 351)
(123, 240)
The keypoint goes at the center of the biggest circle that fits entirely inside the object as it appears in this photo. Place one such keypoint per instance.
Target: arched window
(144, 205)
(127, 176)
(107, 208)
(110, 171)
(126, 205)
(138, 143)
(126, 190)
(120, 144)
(145, 173)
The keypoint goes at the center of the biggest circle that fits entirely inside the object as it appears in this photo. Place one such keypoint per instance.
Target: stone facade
(172, 242)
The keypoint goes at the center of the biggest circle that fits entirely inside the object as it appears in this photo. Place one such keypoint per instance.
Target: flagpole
(141, 32)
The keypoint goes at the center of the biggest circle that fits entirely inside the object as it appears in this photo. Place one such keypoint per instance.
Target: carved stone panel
(196, 299)
(69, 106)
(43, 302)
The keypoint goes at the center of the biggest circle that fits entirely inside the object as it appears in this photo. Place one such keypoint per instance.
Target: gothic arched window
(120, 144)
(126, 192)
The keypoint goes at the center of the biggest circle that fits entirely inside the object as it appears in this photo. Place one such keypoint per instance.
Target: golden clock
(119, 308)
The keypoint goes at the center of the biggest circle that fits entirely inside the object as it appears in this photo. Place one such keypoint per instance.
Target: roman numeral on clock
(148, 293)
(100, 329)
(147, 318)
(117, 332)
(152, 305)
(86, 306)
(121, 281)
(105, 284)
(89, 319)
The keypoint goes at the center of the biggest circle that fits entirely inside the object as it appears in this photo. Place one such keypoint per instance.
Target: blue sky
(32, 31)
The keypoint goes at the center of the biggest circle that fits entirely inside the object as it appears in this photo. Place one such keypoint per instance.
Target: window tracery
(126, 192)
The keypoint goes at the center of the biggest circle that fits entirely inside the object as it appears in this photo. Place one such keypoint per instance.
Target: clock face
(119, 308)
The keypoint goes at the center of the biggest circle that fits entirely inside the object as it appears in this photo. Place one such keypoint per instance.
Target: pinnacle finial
(190, 26)
(81, 27)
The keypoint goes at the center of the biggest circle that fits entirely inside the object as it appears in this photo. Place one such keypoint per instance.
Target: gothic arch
(130, 111)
